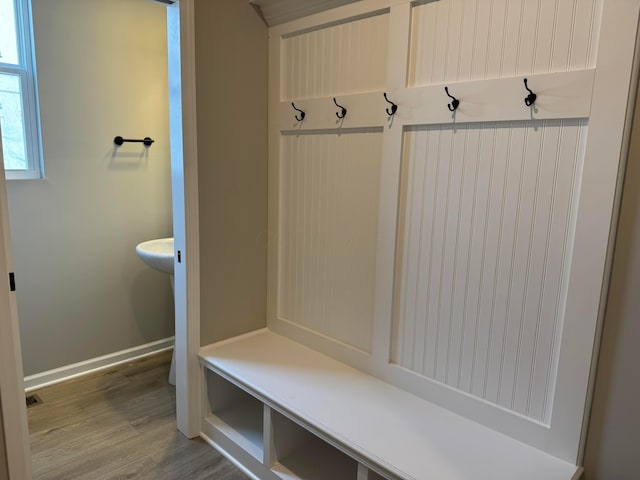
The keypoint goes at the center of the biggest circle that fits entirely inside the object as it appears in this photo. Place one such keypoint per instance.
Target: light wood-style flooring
(118, 424)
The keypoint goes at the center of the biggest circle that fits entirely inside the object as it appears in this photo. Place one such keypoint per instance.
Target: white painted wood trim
(184, 174)
(329, 346)
(14, 409)
(598, 195)
(245, 462)
(273, 214)
(561, 96)
(68, 372)
(626, 143)
(399, 21)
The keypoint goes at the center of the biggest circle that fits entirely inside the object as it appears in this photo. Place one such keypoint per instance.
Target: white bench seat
(395, 432)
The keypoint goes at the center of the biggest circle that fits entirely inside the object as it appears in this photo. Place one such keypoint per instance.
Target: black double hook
(394, 107)
(531, 98)
(341, 114)
(454, 101)
(301, 117)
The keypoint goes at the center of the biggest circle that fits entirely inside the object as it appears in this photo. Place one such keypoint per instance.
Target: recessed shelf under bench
(285, 411)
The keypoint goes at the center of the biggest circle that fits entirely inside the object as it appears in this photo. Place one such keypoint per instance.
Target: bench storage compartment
(322, 419)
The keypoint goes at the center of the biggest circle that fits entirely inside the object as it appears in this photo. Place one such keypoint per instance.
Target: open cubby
(300, 454)
(235, 413)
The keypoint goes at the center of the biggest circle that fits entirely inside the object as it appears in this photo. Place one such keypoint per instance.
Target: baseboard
(57, 375)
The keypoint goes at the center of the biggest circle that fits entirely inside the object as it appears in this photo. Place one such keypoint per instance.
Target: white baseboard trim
(57, 375)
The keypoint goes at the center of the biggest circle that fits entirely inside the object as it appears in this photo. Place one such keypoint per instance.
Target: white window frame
(26, 70)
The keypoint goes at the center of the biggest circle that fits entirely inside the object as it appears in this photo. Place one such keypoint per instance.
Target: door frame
(14, 408)
(184, 174)
(184, 184)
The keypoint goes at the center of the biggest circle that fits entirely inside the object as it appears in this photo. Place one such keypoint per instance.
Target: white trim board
(61, 374)
(229, 456)
(184, 184)
(14, 411)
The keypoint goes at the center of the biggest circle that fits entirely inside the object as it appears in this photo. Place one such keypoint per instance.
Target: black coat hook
(454, 101)
(301, 117)
(394, 107)
(344, 110)
(531, 98)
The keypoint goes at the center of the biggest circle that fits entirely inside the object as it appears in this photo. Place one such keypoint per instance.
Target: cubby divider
(235, 413)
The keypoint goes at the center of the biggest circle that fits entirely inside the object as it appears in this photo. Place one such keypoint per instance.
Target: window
(18, 100)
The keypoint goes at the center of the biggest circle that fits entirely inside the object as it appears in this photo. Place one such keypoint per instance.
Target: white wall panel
(340, 59)
(328, 225)
(487, 215)
(485, 271)
(461, 40)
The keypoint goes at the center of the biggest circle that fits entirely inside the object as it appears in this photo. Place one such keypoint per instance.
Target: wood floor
(118, 424)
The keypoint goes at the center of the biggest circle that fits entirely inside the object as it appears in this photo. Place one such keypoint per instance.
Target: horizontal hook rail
(146, 140)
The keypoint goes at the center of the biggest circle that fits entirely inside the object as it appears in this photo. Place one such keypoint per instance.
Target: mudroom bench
(282, 411)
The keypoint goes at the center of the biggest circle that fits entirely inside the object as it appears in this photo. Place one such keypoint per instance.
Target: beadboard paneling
(485, 235)
(329, 187)
(340, 59)
(461, 40)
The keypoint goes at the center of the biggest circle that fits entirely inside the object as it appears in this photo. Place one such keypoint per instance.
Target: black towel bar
(146, 140)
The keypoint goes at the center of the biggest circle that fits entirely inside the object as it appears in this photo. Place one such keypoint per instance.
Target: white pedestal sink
(158, 254)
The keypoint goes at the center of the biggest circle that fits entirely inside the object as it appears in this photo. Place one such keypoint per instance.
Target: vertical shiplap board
(349, 57)
(462, 40)
(329, 186)
(488, 212)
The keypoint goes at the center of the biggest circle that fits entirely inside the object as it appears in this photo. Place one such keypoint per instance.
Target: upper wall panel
(461, 40)
(350, 57)
(276, 12)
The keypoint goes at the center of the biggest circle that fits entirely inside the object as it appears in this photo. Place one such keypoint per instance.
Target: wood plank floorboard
(118, 424)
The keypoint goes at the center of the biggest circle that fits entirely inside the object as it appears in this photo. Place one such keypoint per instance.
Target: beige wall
(82, 291)
(231, 82)
(613, 442)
